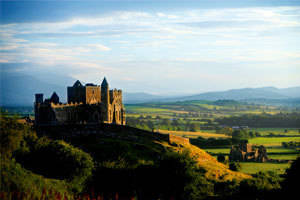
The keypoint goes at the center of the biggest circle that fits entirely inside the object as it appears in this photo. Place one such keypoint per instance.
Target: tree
(225, 130)
(221, 158)
(12, 135)
(193, 127)
(182, 179)
(60, 160)
(290, 185)
(234, 166)
(150, 125)
(239, 135)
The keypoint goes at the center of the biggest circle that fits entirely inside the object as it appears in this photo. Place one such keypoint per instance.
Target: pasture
(272, 141)
(191, 134)
(277, 131)
(253, 167)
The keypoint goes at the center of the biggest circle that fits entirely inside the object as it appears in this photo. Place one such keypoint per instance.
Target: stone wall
(178, 140)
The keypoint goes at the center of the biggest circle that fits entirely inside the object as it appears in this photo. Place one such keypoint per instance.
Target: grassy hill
(132, 147)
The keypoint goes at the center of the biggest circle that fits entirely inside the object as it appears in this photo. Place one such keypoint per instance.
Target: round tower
(105, 101)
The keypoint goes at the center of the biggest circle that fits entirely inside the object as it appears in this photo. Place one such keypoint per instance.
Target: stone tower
(87, 104)
(105, 99)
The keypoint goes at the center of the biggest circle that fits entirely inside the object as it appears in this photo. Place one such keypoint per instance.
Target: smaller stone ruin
(247, 152)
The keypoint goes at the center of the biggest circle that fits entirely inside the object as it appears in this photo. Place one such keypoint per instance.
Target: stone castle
(87, 104)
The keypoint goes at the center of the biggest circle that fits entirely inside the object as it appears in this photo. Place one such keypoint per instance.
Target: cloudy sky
(174, 47)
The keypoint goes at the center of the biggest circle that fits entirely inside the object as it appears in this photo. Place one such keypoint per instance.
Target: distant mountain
(240, 94)
(18, 89)
(264, 94)
(290, 92)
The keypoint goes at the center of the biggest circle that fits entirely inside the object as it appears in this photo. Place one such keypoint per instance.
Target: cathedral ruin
(87, 104)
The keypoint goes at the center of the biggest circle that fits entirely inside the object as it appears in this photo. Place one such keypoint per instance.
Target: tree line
(280, 120)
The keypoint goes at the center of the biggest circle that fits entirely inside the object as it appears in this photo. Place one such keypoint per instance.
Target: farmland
(204, 119)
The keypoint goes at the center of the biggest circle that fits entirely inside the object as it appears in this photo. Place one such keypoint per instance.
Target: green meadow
(253, 167)
(272, 141)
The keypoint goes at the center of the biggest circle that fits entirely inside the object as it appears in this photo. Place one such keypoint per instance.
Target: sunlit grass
(218, 151)
(281, 150)
(277, 131)
(272, 141)
(253, 167)
(195, 134)
(284, 156)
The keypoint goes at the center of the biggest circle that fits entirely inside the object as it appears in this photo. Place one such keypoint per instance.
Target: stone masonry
(248, 152)
(87, 104)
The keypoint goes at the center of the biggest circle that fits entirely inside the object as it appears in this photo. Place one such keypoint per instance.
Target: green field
(280, 150)
(218, 151)
(284, 156)
(252, 167)
(272, 141)
(276, 131)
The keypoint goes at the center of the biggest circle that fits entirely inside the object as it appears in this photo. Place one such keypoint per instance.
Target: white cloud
(139, 45)
(99, 47)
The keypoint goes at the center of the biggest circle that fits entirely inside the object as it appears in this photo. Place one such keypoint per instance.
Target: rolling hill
(264, 95)
(140, 146)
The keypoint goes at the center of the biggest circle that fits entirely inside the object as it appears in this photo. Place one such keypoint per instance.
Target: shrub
(261, 186)
(292, 176)
(12, 136)
(182, 179)
(221, 158)
(239, 135)
(234, 166)
(59, 160)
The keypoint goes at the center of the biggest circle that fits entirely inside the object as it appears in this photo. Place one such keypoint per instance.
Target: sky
(159, 47)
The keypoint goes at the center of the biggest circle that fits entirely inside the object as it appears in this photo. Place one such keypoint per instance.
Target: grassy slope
(195, 134)
(252, 167)
(215, 170)
(141, 146)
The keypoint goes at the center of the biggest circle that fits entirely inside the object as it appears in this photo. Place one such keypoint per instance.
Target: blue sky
(159, 47)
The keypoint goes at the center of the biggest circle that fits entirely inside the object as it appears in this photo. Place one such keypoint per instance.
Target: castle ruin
(87, 104)
(247, 152)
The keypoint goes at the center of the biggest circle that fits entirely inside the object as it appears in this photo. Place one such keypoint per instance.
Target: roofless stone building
(247, 152)
(87, 104)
